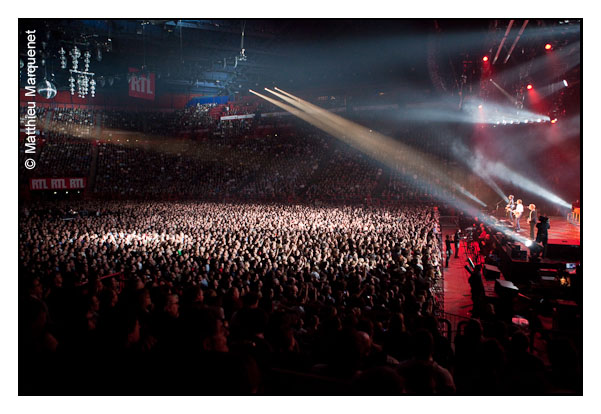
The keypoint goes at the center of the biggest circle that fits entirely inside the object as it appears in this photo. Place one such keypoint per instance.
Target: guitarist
(519, 209)
(509, 208)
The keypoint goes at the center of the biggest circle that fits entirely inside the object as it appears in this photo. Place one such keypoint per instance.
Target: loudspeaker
(568, 250)
(491, 272)
(506, 289)
(516, 252)
(547, 272)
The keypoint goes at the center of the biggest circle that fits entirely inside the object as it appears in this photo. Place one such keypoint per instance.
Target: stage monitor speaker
(506, 289)
(568, 250)
(516, 252)
(547, 272)
(491, 272)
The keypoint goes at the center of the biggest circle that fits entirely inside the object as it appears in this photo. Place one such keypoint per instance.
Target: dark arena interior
(300, 207)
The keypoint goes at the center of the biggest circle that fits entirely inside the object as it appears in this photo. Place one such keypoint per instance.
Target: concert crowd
(281, 267)
(303, 285)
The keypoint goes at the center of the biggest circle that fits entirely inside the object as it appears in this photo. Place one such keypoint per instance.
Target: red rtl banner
(57, 183)
(141, 85)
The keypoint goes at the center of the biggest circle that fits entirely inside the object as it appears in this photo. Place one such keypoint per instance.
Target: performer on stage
(509, 208)
(519, 209)
(532, 219)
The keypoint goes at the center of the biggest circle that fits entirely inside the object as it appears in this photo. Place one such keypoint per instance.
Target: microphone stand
(497, 205)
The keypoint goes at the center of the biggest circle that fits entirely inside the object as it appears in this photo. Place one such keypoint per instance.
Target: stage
(560, 230)
(534, 278)
(563, 240)
(519, 262)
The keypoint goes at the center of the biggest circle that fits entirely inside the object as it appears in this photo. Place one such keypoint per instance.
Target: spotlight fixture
(529, 86)
(548, 46)
(565, 83)
(485, 59)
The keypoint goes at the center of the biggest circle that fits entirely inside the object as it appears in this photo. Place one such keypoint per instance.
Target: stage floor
(563, 231)
(560, 232)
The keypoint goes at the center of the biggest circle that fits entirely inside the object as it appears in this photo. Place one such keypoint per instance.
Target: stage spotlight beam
(503, 41)
(486, 169)
(361, 137)
(376, 145)
(473, 162)
(516, 41)
(500, 171)
(504, 92)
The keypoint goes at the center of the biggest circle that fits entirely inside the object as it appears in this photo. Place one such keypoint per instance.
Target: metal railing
(438, 288)
(451, 324)
(449, 221)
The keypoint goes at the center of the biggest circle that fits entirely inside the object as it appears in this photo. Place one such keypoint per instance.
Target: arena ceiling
(205, 55)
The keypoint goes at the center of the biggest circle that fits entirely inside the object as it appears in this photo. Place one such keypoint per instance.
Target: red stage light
(548, 46)
(529, 86)
(554, 121)
(485, 59)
